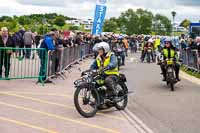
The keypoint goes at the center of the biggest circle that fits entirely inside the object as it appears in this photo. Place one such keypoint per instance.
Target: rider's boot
(177, 76)
(164, 79)
(164, 75)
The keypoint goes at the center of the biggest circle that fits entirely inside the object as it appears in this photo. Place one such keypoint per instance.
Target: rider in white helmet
(169, 52)
(106, 61)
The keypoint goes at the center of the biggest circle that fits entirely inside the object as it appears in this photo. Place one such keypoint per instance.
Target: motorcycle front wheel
(86, 101)
(172, 85)
(148, 57)
(171, 81)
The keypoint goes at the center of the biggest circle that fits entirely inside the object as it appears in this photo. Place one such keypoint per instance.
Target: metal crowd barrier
(59, 61)
(38, 63)
(14, 65)
(191, 60)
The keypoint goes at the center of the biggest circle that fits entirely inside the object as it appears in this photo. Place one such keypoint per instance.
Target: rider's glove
(104, 69)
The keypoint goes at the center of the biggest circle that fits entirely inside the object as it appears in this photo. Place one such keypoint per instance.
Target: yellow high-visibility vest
(105, 63)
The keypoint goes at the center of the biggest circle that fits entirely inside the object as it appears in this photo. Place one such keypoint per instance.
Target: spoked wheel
(86, 101)
(167, 83)
(122, 92)
(148, 58)
(171, 82)
(172, 85)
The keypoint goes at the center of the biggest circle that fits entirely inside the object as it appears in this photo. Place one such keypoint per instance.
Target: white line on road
(137, 122)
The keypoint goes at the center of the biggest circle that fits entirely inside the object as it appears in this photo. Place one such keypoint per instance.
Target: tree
(59, 21)
(165, 26)
(128, 22)
(5, 19)
(73, 28)
(42, 29)
(12, 25)
(110, 25)
(145, 21)
(24, 20)
(185, 23)
(139, 22)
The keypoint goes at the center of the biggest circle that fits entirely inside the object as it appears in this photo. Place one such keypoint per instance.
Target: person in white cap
(5, 41)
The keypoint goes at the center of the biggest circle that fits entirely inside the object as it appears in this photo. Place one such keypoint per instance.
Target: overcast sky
(85, 8)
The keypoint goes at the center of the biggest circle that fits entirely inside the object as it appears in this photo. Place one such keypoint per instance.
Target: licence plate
(169, 62)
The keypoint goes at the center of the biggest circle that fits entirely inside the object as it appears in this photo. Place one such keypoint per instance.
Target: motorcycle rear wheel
(172, 86)
(122, 88)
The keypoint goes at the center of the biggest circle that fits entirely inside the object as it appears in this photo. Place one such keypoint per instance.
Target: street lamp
(173, 15)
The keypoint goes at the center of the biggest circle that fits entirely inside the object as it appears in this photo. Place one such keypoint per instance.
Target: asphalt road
(29, 108)
(153, 102)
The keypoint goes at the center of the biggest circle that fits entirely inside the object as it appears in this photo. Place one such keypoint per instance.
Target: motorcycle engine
(102, 90)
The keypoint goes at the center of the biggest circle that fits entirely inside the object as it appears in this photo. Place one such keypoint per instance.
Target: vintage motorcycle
(91, 93)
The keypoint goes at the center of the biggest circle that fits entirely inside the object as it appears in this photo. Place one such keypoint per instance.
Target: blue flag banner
(99, 17)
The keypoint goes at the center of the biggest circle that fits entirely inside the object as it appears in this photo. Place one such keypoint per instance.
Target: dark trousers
(123, 58)
(177, 69)
(43, 69)
(21, 51)
(126, 52)
(4, 61)
(144, 53)
(28, 51)
(111, 82)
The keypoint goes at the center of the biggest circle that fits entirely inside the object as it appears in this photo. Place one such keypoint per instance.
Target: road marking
(58, 104)
(137, 122)
(26, 125)
(39, 94)
(61, 118)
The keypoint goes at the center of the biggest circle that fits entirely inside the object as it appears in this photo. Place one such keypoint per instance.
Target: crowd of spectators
(66, 39)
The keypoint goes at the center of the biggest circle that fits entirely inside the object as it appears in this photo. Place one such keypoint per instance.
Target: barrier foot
(60, 75)
(49, 82)
(40, 81)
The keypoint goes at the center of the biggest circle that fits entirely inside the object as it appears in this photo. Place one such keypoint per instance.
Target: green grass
(190, 72)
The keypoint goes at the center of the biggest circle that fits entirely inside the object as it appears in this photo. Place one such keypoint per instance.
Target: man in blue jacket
(48, 45)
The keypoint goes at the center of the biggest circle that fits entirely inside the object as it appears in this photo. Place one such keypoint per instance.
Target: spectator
(183, 44)
(126, 46)
(48, 45)
(5, 41)
(19, 41)
(28, 41)
(192, 43)
(37, 39)
(58, 52)
(198, 44)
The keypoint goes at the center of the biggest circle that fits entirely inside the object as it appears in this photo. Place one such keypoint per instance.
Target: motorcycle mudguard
(122, 77)
(84, 85)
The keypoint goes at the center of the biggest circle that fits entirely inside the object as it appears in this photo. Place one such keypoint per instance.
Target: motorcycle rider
(148, 46)
(169, 52)
(106, 61)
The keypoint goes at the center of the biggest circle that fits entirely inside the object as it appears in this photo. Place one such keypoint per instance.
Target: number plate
(169, 62)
